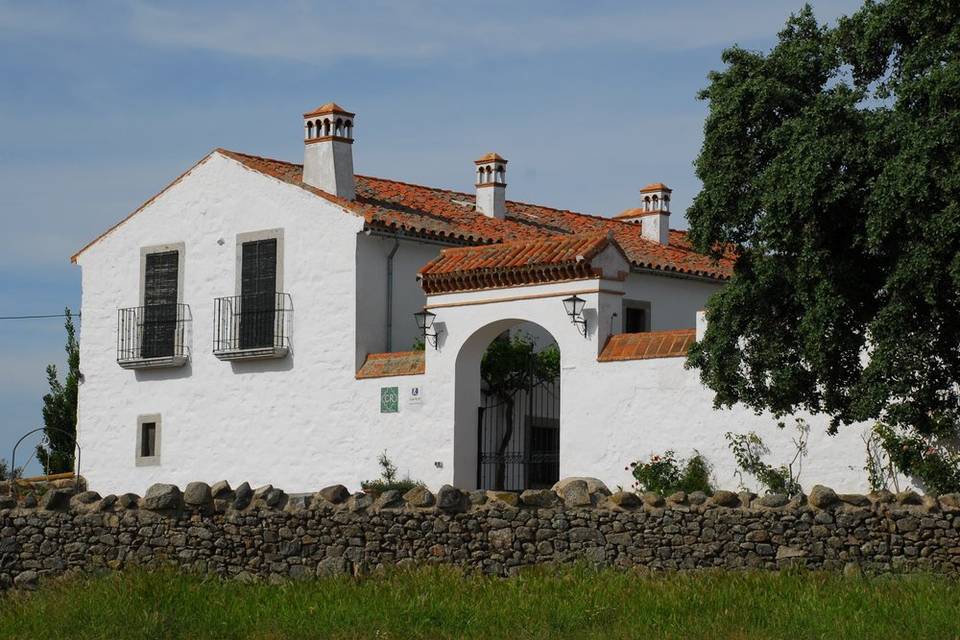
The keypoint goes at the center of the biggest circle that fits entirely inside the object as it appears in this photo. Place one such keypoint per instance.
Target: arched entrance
(508, 407)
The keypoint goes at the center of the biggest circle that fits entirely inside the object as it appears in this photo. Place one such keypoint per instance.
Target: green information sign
(389, 400)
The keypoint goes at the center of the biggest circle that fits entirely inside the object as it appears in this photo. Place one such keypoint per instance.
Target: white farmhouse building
(254, 322)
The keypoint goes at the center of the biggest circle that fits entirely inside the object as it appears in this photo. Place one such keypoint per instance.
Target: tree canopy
(831, 169)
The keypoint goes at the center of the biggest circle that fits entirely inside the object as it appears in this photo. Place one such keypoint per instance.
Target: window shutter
(160, 278)
(258, 267)
(159, 320)
(258, 287)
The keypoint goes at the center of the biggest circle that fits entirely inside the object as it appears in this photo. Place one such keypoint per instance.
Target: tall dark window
(160, 304)
(258, 292)
(148, 439)
(634, 320)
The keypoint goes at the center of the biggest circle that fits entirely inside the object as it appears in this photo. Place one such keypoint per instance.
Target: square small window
(148, 440)
(636, 316)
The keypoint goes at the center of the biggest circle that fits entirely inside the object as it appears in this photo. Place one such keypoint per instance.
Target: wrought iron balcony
(152, 336)
(252, 326)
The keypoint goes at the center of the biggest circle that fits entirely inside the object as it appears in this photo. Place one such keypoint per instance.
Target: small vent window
(148, 440)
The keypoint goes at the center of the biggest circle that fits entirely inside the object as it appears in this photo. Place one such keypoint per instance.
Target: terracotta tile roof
(656, 186)
(490, 157)
(451, 216)
(400, 363)
(652, 344)
(330, 107)
(547, 259)
(635, 213)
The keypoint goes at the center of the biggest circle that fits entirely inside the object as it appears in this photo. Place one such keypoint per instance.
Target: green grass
(442, 603)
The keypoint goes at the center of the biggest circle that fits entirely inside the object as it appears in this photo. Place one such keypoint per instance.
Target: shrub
(878, 465)
(749, 450)
(665, 474)
(931, 460)
(389, 479)
(9, 474)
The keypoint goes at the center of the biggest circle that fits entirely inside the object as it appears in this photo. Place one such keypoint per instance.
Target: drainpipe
(393, 252)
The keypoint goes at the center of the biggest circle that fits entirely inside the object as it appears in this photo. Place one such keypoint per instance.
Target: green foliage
(929, 459)
(418, 345)
(389, 479)
(878, 466)
(60, 409)
(443, 603)
(8, 474)
(665, 474)
(508, 365)
(512, 363)
(830, 169)
(749, 452)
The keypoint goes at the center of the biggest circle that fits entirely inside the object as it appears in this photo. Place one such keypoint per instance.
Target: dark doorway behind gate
(519, 438)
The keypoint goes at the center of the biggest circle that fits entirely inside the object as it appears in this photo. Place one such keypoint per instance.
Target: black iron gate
(518, 439)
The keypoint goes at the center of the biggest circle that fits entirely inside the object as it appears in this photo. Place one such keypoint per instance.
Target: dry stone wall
(266, 534)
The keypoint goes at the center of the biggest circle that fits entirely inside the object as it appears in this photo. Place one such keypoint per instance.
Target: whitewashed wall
(408, 297)
(617, 412)
(304, 421)
(297, 422)
(677, 300)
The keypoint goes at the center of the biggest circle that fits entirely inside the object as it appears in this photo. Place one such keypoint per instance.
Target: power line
(52, 315)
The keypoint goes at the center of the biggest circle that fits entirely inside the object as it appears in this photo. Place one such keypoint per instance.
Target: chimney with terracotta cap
(328, 150)
(653, 214)
(492, 186)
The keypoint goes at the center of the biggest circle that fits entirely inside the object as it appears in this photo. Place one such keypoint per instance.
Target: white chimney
(653, 214)
(328, 150)
(492, 186)
(655, 203)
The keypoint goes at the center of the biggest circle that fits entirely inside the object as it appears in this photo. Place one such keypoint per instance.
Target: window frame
(154, 460)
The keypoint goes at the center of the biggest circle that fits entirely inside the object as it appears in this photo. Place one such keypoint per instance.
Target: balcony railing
(252, 326)
(152, 336)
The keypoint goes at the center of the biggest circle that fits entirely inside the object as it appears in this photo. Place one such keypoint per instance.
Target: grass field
(442, 603)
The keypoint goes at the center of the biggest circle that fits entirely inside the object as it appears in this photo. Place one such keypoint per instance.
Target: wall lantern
(425, 323)
(574, 306)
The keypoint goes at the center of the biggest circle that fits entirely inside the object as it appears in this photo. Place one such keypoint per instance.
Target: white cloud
(319, 34)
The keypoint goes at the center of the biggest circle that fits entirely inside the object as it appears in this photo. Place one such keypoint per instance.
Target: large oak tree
(831, 167)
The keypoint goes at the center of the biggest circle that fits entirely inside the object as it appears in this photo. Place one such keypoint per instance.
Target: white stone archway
(468, 321)
(468, 396)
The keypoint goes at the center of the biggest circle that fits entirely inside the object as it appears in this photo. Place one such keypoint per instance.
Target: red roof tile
(652, 344)
(548, 259)
(400, 363)
(656, 186)
(636, 213)
(330, 107)
(490, 157)
(451, 216)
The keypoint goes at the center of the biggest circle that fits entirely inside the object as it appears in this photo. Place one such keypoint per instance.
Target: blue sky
(103, 103)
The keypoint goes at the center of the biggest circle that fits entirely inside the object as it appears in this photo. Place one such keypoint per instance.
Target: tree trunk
(501, 476)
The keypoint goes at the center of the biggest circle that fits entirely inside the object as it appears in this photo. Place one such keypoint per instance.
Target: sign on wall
(389, 399)
(415, 396)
